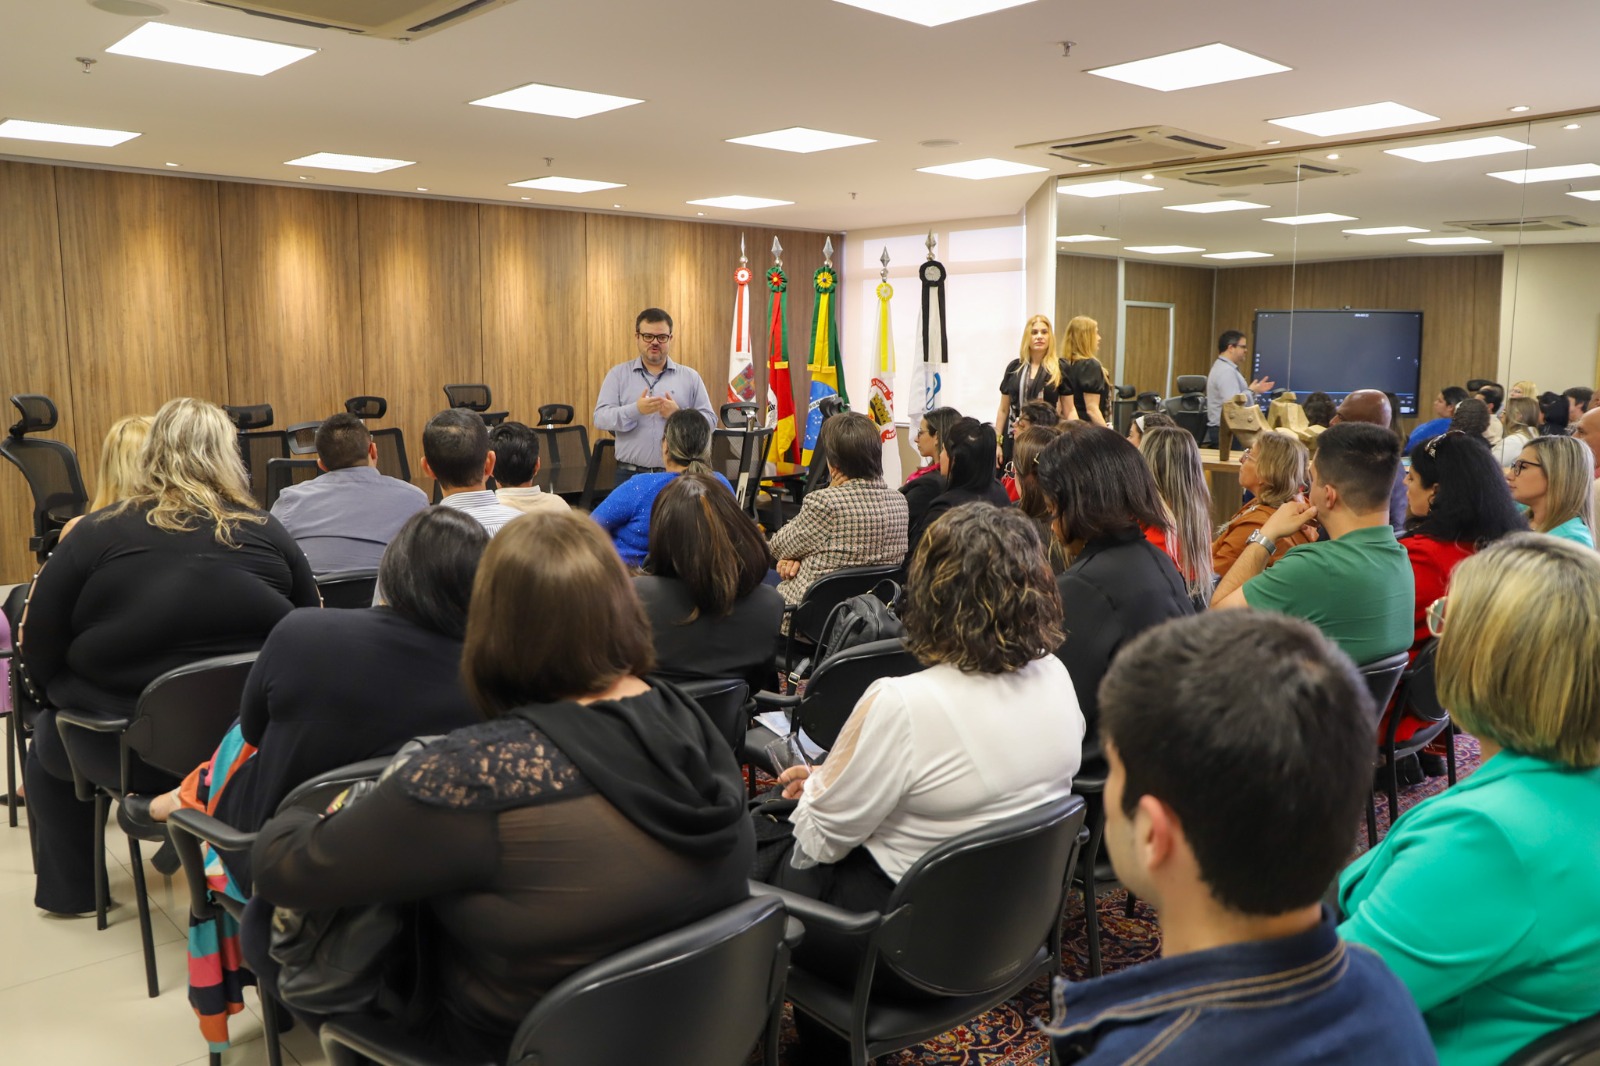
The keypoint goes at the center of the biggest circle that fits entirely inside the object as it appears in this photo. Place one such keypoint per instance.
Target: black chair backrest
(347, 588)
(38, 413)
(563, 459)
(317, 793)
(964, 930)
(1417, 694)
(54, 480)
(256, 448)
(703, 993)
(392, 458)
(472, 397)
(830, 590)
(1382, 677)
(738, 415)
(1577, 1044)
(839, 682)
(182, 714)
(556, 414)
(1189, 412)
(601, 476)
(281, 473)
(740, 455)
(1147, 402)
(367, 408)
(303, 437)
(725, 702)
(1191, 383)
(249, 416)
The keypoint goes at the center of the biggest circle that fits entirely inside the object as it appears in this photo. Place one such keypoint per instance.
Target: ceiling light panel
(537, 99)
(740, 203)
(553, 183)
(982, 169)
(1310, 220)
(1237, 255)
(213, 51)
(1211, 207)
(362, 164)
(1382, 116)
(1206, 65)
(933, 12)
(24, 130)
(1384, 231)
(800, 139)
(1450, 240)
(1586, 194)
(1538, 174)
(1084, 238)
(1161, 249)
(1467, 149)
(1113, 187)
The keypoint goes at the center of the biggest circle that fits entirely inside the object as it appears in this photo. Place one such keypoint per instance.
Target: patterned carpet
(1006, 1036)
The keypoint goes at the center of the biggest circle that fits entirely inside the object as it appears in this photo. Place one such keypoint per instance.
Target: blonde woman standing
(1085, 377)
(1274, 468)
(1035, 374)
(1554, 479)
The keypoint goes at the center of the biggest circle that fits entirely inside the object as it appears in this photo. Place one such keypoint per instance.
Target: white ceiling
(714, 69)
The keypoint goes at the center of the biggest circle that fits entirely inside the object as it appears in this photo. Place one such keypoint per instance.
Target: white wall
(1550, 315)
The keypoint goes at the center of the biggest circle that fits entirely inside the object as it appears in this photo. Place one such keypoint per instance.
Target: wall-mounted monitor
(1340, 351)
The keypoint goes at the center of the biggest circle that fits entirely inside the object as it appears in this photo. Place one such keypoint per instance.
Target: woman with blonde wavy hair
(183, 569)
(1274, 468)
(1554, 479)
(119, 464)
(1035, 375)
(1174, 461)
(1086, 378)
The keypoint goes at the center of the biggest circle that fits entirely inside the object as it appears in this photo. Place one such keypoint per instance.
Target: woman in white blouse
(990, 729)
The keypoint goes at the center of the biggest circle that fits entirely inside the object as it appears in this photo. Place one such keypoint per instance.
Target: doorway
(1147, 348)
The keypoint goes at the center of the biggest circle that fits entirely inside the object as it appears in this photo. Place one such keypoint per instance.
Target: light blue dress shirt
(639, 436)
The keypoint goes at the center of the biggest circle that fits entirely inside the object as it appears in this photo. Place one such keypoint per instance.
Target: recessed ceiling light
(537, 99)
(738, 203)
(933, 12)
(1586, 194)
(616, 206)
(1085, 166)
(983, 169)
(305, 177)
(422, 188)
(1537, 174)
(1381, 116)
(801, 139)
(1383, 231)
(364, 164)
(1147, 177)
(1237, 255)
(1333, 155)
(1206, 65)
(1109, 187)
(173, 164)
(23, 130)
(527, 197)
(202, 48)
(1210, 207)
(1518, 109)
(1472, 146)
(1161, 249)
(552, 183)
(1271, 142)
(1572, 126)
(1084, 238)
(1307, 220)
(1450, 240)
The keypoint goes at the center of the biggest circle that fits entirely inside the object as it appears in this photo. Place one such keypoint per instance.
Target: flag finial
(932, 242)
(777, 252)
(827, 252)
(883, 274)
(742, 258)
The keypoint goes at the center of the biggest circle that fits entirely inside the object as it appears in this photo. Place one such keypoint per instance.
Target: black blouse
(1039, 388)
(741, 644)
(1084, 377)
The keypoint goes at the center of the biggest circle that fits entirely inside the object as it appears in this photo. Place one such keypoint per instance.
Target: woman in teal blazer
(1485, 900)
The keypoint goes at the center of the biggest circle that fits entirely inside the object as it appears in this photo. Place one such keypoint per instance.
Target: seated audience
(1356, 586)
(1482, 898)
(516, 461)
(1375, 408)
(1319, 409)
(1471, 417)
(966, 458)
(1444, 408)
(856, 520)
(344, 517)
(1494, 398)
(455, 452)
(1522, 420)
(625, 513)
(1174, 461)
(184, 569)
(1273, 471)
(1554, 479)
(1578, 398)
(702, 588)
(119, 465)
(925, 483)
(592, 811)
(1587, 429)
(1031, 500)
(1232, 801)
(1037, 413)
(1142, 424)
(1524, 388)
(1119, 584)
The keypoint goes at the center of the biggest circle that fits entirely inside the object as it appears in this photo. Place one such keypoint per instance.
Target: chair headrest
(738, 415)
(472, 397)
(556, 414)
(1191, 383)
(246, 417)
(367, 407)
(38, 414)
(1125, 392)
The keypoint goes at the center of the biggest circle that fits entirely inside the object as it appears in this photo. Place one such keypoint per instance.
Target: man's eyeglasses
(655, 338)
(1436, 611)
(1522, 464)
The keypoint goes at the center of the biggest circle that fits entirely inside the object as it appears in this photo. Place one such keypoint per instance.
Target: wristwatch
(1255, 537)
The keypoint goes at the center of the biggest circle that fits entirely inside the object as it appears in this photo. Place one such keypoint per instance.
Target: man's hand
(793, 781)
(1262, 385)
(1291, 518)
(788, 569)
(666, 406)
(648, 404)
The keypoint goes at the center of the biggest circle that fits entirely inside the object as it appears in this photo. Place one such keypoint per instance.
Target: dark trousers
(63, 824)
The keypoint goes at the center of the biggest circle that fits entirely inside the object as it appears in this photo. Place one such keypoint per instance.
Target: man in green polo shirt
(1356, 587)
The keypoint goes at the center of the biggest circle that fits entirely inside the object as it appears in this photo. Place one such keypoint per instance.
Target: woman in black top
(591, 811)
(925, 483)
(702, 587)
(185, 569)
(1036, 374)
(1119, 584)
(966, 458)
(1085, 377)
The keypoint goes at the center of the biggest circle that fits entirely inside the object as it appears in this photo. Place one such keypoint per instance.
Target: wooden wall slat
(1190, 290)
(1087, 285)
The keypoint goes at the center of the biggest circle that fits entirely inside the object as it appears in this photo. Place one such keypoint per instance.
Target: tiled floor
(71, 995)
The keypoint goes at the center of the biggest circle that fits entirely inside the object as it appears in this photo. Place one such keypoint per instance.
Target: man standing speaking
(638, 396)
(1226, 381)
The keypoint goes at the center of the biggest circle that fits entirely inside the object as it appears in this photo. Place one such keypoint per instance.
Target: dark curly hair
(1473, 503)
(980, 595)
(1471, 417)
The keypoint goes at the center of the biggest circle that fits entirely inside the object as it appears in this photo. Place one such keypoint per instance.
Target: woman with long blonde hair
(1086, 378)
(1520, 421)
(119, 464)
(1174, 461)
(1554, 479)
(1035, 374)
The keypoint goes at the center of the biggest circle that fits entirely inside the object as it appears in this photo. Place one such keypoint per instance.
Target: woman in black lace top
(590, 812)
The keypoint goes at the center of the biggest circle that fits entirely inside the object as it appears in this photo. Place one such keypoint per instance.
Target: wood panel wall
(1190, 290)
(120, 291)
(1087, 285)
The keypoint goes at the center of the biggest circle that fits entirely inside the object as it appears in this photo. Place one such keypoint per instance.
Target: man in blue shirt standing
(1231, 803)
(1226, 381)
(637, 397)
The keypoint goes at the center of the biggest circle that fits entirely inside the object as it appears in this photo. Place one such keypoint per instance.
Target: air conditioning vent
(1262, 172)
(1140, 147)
(400, 20)
(1537, 224)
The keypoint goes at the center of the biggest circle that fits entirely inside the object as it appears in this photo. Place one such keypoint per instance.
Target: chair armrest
(822, 915)
(89, 721)
(95, 723)
(777, 701)
(381, 1042)
(187, 845)
(218, 834)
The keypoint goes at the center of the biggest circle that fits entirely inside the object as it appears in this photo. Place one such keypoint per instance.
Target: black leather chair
(1188, 408)
(393, 461)
(740, 455)
(351, 589)
(726, 702)
(1415, 696)
(367, 408)
(1122, 406)
(175, 727)
(303, 438)
(257, 443)
(601, 476)
(556, 414)
(738, 415)
(1382, 678)
(806, 618)
(952, 929)
(816, 472)
(1577, 1044)
(563, 460)
(704, 995)
(475, 397)
(51, 468)
(281, 473)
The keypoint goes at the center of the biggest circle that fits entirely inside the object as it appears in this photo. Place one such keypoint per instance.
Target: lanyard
(653, 381)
